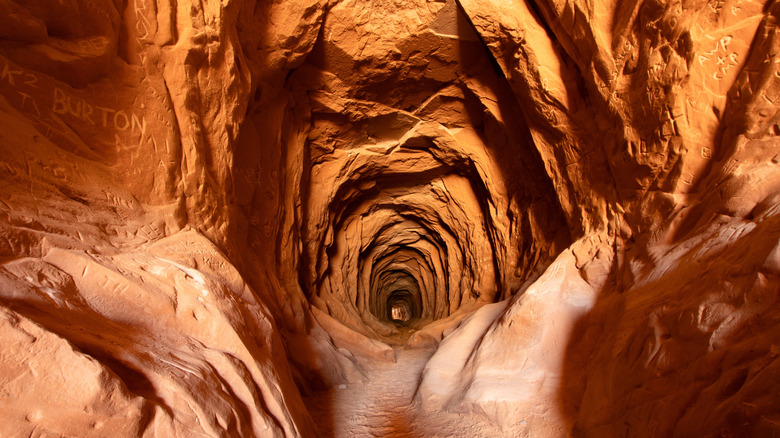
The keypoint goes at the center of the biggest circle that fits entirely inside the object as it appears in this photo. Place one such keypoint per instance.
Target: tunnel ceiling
(421, 185)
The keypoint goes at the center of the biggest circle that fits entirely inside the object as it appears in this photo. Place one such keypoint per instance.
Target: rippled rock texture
(211, 208)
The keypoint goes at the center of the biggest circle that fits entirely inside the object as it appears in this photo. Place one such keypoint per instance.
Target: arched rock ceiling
(416, 146)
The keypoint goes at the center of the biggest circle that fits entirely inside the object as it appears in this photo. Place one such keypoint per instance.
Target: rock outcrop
(210, 209)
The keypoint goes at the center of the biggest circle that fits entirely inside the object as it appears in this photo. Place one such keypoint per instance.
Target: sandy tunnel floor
(384, 405)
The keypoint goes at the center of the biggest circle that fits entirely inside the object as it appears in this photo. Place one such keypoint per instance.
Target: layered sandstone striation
(564, 217)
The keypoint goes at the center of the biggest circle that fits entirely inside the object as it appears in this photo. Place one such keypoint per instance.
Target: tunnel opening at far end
(402, 308)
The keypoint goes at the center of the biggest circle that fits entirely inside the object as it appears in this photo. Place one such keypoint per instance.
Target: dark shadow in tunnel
(309, 384)
(671, 373)
(676, 372)
(402, 307)
(516, 154)
(718, 375)
(403, 291)
(520, 164)
(541, 191)
(320, 406)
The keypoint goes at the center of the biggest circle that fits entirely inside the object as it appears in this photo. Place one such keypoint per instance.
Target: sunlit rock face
(208, 209)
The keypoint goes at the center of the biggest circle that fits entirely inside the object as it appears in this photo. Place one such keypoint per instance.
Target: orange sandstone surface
(470, 218)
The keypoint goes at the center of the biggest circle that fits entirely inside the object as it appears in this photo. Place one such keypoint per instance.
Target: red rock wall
(208, 208)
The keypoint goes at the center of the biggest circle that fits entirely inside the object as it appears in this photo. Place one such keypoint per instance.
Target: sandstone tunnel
(336, 218)
(422, 184)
